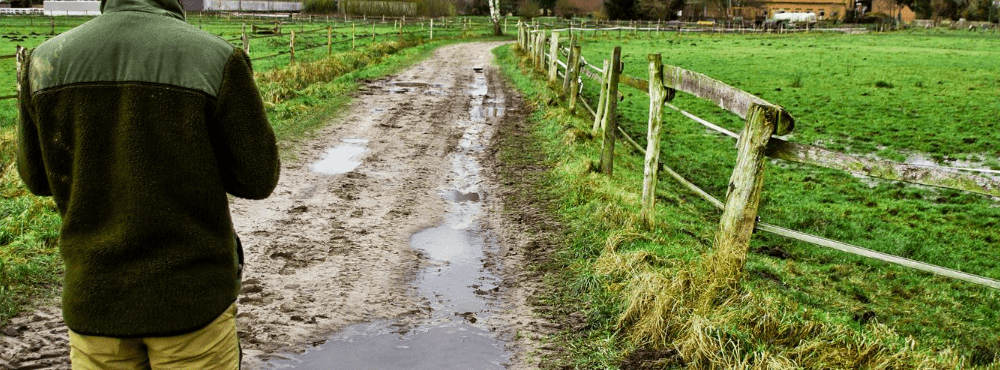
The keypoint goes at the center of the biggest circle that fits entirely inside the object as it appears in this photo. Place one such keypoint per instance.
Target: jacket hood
(170, 8)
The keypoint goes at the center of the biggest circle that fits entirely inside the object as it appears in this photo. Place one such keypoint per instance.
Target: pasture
(915, 96)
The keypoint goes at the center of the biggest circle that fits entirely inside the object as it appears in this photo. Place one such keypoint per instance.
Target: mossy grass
(797, 305)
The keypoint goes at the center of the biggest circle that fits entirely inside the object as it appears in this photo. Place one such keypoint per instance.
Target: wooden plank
(883, 169)
(723, 95)
(637, 83)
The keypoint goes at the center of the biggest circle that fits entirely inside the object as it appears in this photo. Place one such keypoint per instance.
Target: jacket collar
(170, 8)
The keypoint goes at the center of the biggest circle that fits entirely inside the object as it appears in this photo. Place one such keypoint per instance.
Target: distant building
(824, 9)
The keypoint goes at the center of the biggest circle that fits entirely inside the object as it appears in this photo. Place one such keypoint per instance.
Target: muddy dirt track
(328, 250)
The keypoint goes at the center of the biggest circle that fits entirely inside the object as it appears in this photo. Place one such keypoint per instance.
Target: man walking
(139, 125)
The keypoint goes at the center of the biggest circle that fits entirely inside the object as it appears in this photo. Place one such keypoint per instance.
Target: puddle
(457, 196)
(487, 106)
(402, 87)
(456, 332)
(341, 159)
(409, 84)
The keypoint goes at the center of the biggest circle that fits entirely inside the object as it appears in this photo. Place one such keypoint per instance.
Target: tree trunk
(495, 17)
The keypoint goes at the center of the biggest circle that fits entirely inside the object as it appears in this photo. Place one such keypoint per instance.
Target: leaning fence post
(658, 94)
(610, 130)
(554, 58)
(566, 77)
(739, 217)
(574, 83)
(291, 47)
(602, 101)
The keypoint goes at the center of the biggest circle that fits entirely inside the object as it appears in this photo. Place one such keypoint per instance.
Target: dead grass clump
(666, 309)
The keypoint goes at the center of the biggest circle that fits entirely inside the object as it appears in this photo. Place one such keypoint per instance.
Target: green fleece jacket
(138, 125)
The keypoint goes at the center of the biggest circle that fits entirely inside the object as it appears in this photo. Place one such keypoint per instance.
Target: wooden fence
(763, 121)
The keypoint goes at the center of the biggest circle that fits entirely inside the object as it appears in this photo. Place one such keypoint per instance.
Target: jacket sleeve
(30, 165)
(244, 142)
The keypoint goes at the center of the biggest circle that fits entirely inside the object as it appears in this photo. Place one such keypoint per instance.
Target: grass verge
(641, 286)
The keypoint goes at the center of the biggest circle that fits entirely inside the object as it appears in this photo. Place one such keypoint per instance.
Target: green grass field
(299, 98)
(927, 94)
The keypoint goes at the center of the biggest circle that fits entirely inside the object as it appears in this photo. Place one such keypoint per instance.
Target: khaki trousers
(215, 346)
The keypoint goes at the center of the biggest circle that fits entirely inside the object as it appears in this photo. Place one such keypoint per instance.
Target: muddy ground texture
(327, 251)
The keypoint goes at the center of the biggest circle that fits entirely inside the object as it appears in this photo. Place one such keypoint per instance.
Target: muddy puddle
(343, 158)
(452, 328)
(403, 87)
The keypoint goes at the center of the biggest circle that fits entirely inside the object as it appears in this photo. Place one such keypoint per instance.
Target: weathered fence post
(20, 55)
(554, 58)
(329, 40)
(373, 32)
(432, 28)
(246, 43)
(566, 77)
(53, 30)
(534, 49)
(574, 83)
(739, 216)
(602, 101)
(658, 94)
(522, 35)
(611, 129)
(540, 50)
(291, 47)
